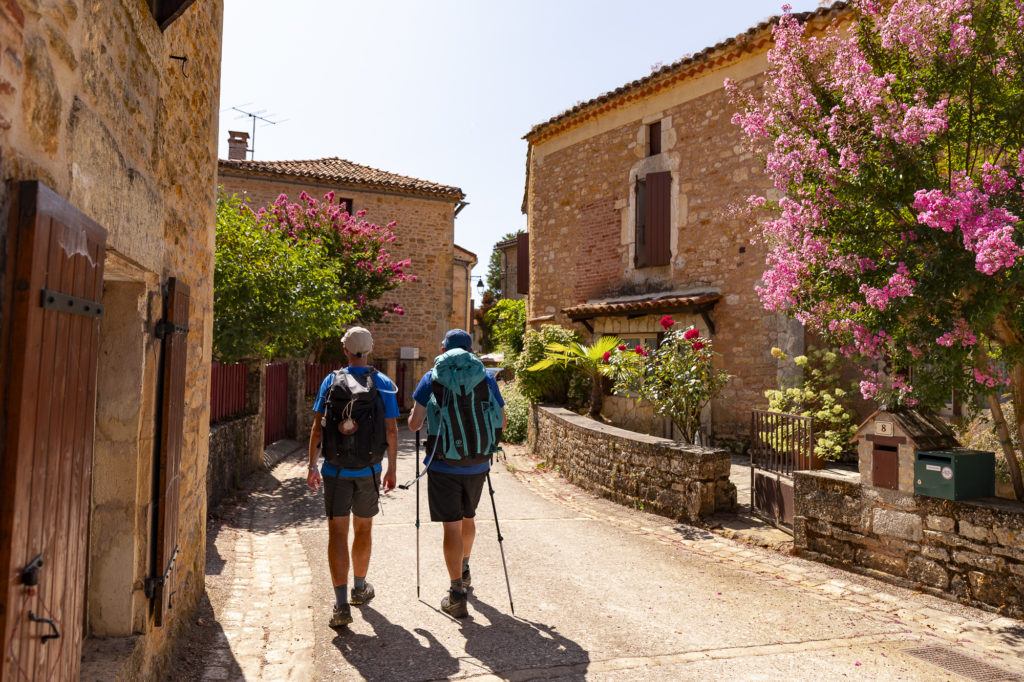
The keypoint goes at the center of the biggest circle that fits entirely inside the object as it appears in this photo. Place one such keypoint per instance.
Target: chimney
(238, 144)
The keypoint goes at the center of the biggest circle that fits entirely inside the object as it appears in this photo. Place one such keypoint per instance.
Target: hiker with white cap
(356, 424)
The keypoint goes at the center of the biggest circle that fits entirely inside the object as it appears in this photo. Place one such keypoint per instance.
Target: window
(349, 204)
(654, 138)
(166, 11)
(653, 220)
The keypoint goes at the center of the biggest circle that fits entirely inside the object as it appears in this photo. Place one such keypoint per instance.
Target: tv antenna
(259, 115)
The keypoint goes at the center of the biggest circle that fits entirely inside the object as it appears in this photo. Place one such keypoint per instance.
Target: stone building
(425, 214)
(108, 154)
(513, 285)
(627, 200)
(462, 288)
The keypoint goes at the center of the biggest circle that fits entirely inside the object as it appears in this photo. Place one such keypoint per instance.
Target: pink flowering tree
(678, 378)
(896, 147)
(292, 274)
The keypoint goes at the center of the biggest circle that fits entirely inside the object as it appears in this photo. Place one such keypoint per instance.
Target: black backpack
(462, 411)
(354, 399)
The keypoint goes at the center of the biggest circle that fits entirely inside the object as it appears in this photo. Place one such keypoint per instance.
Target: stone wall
(684, 482)
(581, 207)
(424, 233)
(94, 107)
(971, 551)
(236, 445)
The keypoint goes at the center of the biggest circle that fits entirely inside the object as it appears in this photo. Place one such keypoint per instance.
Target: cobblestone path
(601, 592)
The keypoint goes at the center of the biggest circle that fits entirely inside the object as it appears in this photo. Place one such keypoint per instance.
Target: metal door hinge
(55, 300)
(163, 328)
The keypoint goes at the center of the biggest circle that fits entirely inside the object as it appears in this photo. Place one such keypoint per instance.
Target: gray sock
(457, 586)
(465, 564)
(341, 594)
(360, 583)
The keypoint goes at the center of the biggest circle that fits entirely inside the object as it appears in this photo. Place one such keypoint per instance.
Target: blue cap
(458, 338)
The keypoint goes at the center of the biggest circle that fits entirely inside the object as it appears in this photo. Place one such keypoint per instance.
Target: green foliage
(508, 325)
(517, 413)
(494, 267)
(977, 432)
(271, 297)
(677, 378)
(820, 394)
(589, 361)
(552, 385)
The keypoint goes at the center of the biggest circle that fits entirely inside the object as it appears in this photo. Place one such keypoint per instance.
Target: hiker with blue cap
(465, 415)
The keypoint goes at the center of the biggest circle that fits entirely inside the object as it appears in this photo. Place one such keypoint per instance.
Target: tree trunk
(596, 397)
(1004, 440)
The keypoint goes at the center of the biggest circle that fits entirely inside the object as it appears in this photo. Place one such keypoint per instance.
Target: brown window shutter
(523, 263)
(640, 250)
(172, 425)
(658, 219)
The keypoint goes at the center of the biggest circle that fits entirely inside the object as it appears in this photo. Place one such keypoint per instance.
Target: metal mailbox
(956, 474)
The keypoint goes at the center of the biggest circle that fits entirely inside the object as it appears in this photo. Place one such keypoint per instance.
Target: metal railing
(228, 386)
(780, 442)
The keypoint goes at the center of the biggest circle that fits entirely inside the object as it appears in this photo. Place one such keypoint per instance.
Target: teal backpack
(462, 411)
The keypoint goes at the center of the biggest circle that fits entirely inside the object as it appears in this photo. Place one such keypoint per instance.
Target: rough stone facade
(971, 551)
(462, 285)
(581, 204)
(424, 233)
(94, 107)
(684, 482)
(236, 445)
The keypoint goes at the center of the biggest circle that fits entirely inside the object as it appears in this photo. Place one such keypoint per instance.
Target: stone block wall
(684, 482)
(971, 551)
(93, 106)
(425, 234)
(236, 445)
(581, 208)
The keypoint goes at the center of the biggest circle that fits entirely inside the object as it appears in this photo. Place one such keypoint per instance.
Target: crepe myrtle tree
(894, 143)
(291, 274)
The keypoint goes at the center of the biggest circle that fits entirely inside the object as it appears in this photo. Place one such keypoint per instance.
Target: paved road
(601, 592)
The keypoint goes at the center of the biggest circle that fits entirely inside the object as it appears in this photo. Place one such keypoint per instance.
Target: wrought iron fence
(780, 442)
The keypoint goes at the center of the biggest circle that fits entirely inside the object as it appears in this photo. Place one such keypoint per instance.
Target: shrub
(552, 385)
(517, 413)
(818, 394)
(508, 325)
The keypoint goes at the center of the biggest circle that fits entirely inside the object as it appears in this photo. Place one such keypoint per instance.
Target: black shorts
(359, 496)
(453, 497)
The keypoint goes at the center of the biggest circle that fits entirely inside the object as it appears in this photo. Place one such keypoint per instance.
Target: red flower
(643, 352)
(667, 322)
(622, 348)
(638, 350)
(607, 355)
(698, 345)
(691, 334)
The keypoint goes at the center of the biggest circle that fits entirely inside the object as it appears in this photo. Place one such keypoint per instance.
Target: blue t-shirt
(422, 396)
(385, 389)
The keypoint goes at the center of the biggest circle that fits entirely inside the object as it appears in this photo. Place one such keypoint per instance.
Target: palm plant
(591, 361)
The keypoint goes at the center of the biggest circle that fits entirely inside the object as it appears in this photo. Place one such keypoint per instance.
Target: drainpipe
(461, 205)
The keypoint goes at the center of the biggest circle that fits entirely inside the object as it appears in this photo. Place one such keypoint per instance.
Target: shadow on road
(203, 649)
(393, 653)
(507, 641)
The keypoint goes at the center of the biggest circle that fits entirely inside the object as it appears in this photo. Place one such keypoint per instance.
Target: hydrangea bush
(896, 148)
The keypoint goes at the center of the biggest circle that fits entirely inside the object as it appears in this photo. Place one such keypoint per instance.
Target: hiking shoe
(466, 579)
(342, 616)
(361, 596)
(455, 604)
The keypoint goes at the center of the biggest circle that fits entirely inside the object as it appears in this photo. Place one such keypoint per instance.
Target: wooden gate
(50, 358)
(275, 426)
(779, 445)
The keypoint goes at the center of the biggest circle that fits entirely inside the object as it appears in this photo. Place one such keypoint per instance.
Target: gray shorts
(359, 496)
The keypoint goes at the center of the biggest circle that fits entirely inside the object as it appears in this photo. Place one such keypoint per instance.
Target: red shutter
(51, 338)
(523, 263)
(658, 218)
(174, 329)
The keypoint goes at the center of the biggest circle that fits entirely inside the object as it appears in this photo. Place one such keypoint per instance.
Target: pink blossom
(961, 333)
(691, 334)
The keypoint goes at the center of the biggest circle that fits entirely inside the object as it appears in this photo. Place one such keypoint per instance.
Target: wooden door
(173, 329)
(54, 284)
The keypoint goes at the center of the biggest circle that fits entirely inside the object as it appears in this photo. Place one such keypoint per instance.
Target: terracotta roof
(333, 169)
(467, 255)
(668, 75)
(643, 306)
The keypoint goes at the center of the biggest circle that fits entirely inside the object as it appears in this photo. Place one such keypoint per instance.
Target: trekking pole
(504, 565)
(417, 514)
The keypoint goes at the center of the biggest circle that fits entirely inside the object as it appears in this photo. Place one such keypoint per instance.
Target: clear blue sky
(445, 90)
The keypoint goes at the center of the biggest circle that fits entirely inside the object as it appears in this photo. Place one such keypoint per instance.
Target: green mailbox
(956, 474)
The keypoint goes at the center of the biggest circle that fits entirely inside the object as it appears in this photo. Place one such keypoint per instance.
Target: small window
(349, 205)
(654, 138)
(166, 11)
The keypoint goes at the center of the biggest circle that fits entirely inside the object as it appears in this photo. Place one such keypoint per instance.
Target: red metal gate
(51, 338)
(276, 411)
